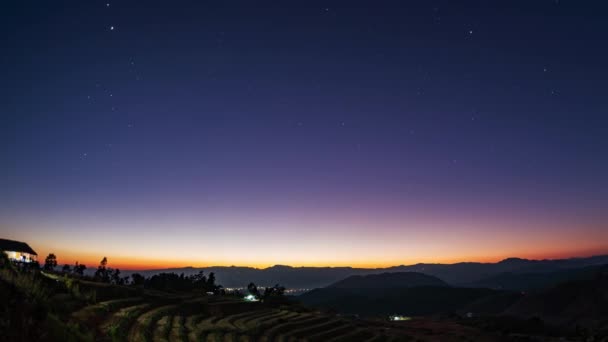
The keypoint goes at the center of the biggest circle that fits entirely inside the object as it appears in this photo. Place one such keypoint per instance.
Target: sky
(305, 133)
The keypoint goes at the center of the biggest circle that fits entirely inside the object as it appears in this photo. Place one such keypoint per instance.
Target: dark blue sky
(482, 119)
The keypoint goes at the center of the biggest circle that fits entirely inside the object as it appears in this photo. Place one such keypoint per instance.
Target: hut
(18, 251)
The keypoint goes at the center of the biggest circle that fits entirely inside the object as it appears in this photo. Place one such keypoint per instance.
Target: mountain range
(404, 293)
(388, 281)
(469, 274)
(571, 304)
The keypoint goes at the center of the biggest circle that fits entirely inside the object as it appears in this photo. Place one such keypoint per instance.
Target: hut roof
(15, 246)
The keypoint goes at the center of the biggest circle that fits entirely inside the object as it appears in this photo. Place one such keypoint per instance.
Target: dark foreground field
(227, 319)
(47, 307)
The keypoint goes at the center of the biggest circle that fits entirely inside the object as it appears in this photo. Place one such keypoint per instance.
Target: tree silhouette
(199, 281)
(274, 295)
(79, 269)
(211, 286)
(171, 282)
(115, 277)
(211, 279)
(102, 274)
(253, 290)
(66, 268)
(137, 279)
(50, 262)
(276, 291)
(5, 262)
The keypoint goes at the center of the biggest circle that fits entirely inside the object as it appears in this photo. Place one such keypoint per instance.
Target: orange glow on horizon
(336, 246)
(127, 262)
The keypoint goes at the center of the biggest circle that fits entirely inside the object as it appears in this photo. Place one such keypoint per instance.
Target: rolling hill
(579, 303)
(388, 281)
(406, 293)
(536, 281)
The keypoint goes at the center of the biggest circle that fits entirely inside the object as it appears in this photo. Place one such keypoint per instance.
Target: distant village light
(251, 298)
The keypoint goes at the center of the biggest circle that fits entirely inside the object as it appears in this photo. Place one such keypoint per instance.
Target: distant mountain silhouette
(459, 274)
(388, 281)
(407, 293)
(580, 303)
(535, 281)
(466, 273)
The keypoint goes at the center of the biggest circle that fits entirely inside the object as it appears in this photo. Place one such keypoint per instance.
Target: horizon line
(369, 268)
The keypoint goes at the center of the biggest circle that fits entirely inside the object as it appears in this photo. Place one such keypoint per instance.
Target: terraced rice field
(219, 320)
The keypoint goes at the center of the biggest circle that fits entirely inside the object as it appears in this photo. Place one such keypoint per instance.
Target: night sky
(363, 133)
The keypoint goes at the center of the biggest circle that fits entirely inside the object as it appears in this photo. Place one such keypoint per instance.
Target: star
(108, 4)
(470, 32)
(111, 28)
